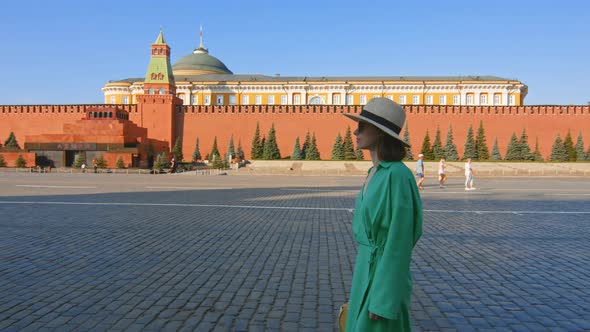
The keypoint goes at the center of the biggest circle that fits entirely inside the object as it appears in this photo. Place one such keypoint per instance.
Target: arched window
(161, 91)
(151, 91)
(316, 101)
(110, 114)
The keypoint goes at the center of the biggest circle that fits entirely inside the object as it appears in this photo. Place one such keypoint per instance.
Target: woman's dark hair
(390, 149)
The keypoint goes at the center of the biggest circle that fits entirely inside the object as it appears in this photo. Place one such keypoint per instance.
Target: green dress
(387, 224)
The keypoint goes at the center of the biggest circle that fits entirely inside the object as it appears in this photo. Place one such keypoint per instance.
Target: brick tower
(156, 105)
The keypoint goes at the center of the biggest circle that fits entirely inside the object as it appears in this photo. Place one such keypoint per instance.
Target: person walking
(387, 224)
(420, 170)
(469, 175)
(442, 177)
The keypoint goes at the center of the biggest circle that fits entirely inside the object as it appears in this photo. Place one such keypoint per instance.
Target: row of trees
(343, 148)
(476, 147)
(19, 162)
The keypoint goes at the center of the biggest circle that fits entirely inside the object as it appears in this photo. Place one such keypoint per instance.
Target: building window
(428, 100)
(258, 99)
(207, 99)
(271, 100)
(349, 100)
(161, 91)
(317, 100)
(402, 100)
(112, 99)
(469, 99)
(415, 99)
(497, 99)
(375, 96)
(245, 100)
(363, 99)
(442, 100)
(456, 100)
(483, 99)
(151, 91)
(182, 98)
(219, 100)
(512, 100)
(232, 99)
(194, 99)
(125, 100)
(283, 99)
(296, 99)
(336, 99)
(390, 97)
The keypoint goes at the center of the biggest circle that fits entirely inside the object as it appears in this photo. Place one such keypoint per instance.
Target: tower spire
(201, 49)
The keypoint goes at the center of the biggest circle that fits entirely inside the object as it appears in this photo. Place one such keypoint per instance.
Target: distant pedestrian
(442, 177)
(83, 167)
(420, 170)
(95, 165)
(469, 175)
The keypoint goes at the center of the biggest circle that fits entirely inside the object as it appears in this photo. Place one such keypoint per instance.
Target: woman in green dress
(386, 226)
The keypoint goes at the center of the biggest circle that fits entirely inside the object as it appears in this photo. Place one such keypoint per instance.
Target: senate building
(203, 79)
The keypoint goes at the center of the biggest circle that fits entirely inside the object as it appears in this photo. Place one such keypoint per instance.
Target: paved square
(96, 252)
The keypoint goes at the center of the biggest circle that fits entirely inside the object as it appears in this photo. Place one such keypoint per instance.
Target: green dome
(199, 62)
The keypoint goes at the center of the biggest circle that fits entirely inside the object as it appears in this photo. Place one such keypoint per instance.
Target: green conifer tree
(558, 151)
(496, 155)
(406, 139)
(426, 149)
(231, 150)
(513, 150)
(11, 142)
(2, 161)
(312, 152)
(296, 154)
(120, 163)
(451, 153)
(240, 151)
(525, 149)
(177, 150)
(481, 144)
(214, 154)
(359, 154)
(437, 150)
(470, 148)
(349, 153)
(580, 153)
(257, 146)
(20, 162)
(306, 145)
(271, 149)
(197, 152)
(79, 160)
(569, 147)
(101, 162)
(338, 148)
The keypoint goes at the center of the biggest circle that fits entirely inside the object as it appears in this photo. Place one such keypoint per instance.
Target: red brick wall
(542, 122)
(10, 158)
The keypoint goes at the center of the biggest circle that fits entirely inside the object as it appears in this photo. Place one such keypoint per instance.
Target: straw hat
(384, 114)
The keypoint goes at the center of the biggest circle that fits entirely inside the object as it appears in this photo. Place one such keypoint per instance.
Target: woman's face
(367, 136)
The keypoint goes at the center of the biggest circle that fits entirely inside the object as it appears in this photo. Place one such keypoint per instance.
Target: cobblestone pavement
(138, 253)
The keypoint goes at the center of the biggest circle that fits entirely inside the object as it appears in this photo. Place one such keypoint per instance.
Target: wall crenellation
(64, 109)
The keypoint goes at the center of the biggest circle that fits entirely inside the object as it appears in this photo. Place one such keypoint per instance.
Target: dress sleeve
(392, 282)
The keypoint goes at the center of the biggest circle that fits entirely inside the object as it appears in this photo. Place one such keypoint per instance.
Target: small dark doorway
(70, 158)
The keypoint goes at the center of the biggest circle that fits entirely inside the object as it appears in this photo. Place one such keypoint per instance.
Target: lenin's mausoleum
(199, 97)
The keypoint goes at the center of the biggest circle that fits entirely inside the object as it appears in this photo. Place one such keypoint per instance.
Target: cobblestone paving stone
(280, 259)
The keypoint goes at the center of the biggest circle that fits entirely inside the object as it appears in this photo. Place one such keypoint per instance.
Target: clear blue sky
(59, 52)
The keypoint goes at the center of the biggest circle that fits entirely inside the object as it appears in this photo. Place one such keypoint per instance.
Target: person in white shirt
(442, 177)
(469, 175)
